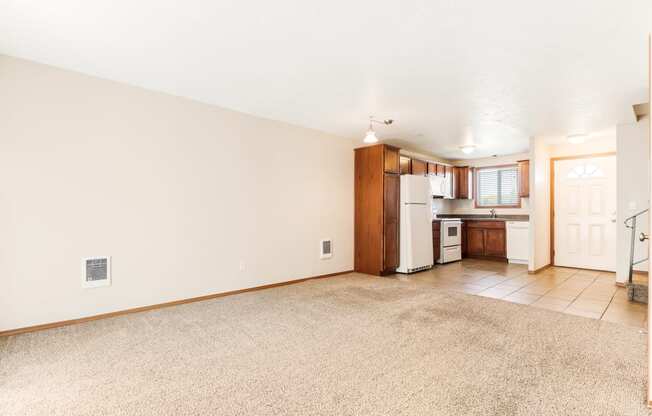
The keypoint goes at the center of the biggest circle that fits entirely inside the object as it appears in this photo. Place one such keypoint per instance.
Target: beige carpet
(350, 345)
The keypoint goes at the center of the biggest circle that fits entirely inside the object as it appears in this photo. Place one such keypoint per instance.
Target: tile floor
(587, 293)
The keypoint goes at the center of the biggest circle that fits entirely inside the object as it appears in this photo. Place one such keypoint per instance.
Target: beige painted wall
(176, 191)
(539, 204)
(633, 166)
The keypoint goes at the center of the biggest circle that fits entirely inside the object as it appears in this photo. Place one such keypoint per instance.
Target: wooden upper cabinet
(392, 164)
(459, 181)
(406, 165)
(463, 179)
(524, 178)
(432, 168)
(436, 169)
(419, 167)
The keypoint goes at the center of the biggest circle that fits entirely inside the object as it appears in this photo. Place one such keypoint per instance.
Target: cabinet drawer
(485, 224)
(449, 254)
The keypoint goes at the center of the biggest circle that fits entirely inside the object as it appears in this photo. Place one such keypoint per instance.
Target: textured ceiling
(448, 72)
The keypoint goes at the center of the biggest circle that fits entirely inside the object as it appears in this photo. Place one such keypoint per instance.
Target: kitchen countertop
(485, 217)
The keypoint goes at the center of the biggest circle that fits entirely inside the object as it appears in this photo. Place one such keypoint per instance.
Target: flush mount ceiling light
(371, 137)
(467, 148)
(576, 138)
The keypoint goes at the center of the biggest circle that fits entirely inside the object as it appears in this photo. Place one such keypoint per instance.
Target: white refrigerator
(416, 224)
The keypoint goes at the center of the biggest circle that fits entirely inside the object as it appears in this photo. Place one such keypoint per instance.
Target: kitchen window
(497, 187)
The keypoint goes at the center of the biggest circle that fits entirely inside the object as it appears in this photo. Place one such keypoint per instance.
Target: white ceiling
(495, 72)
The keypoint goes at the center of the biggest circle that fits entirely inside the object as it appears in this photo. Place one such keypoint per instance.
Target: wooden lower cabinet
(436, 240)
(486, 239)
(495, 243)
(475, 242)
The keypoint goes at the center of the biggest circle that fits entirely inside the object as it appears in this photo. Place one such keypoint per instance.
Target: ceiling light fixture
(370, 136)
(576, 138)
(467, 148)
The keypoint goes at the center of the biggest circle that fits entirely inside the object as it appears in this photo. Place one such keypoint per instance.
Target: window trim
(476, 188)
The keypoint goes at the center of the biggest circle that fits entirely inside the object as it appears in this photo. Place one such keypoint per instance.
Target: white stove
(451, 240)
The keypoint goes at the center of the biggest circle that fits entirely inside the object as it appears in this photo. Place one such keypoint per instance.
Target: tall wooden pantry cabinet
(377, 195)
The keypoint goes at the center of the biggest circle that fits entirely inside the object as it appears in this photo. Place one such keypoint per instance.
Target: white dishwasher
(518, 242)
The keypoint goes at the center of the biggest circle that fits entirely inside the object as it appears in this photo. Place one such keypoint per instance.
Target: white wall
(633, 163)
(603, 144)
(176, 191)
(467, 206)
(539, 204)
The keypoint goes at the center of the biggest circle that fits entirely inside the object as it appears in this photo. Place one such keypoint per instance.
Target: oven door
(451, 234)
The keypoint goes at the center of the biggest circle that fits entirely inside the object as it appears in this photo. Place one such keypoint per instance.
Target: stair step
(637, 292)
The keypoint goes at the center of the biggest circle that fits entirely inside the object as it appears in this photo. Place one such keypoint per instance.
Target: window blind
(498, 186)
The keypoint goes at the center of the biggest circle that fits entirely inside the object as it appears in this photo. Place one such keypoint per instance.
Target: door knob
(643, 237)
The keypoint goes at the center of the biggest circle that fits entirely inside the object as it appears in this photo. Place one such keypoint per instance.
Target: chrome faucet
(492, 213)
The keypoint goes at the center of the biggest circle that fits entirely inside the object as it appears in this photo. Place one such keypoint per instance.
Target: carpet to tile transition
(350, 345)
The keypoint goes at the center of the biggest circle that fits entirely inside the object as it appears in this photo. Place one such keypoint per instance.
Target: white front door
(585, 213)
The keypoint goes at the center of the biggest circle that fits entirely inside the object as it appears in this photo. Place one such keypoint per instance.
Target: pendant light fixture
(370, 137)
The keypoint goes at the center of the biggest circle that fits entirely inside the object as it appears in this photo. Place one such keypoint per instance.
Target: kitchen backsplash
(467, 206)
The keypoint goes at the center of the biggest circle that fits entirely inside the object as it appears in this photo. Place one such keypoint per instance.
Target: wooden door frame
(649, 289)
(552, 193)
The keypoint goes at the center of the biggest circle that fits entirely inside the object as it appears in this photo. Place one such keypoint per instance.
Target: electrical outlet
(243, 266)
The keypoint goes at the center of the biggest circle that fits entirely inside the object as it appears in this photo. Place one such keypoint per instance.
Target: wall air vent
(96, 271)
(326, 249)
